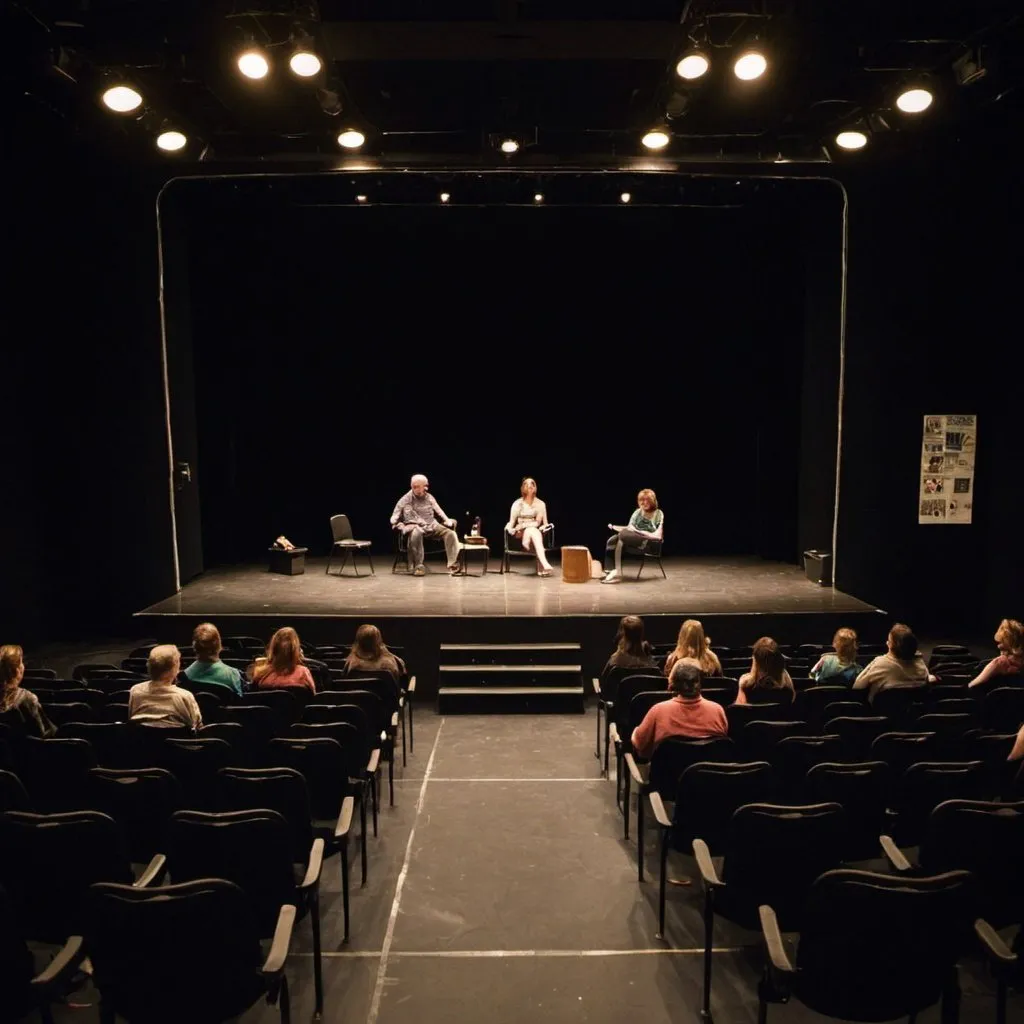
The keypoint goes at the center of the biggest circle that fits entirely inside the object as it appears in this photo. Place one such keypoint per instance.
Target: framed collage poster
(946, 477)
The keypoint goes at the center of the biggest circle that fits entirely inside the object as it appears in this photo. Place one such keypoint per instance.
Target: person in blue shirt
(208, 668)
(644, 524)
(841, 668)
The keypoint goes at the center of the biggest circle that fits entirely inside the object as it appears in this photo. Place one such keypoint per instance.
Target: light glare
(122, 99)
(360, 199)
(538, 197)
(692, 66)
(171, 142)
(351, 139)
(625, 197)
(445, 196)
(253, 64)
(851, 140)
(304, 64)
(750, 65)
(509, 146)
(914, 101)
(656, 139)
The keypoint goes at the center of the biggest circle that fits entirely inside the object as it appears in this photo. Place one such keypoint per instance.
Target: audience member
(27, 715)
(841, 668)
(208, 668)
(1017, 753)
(692, 644)
(161, 702)
(631, 649)
(901, 666)
(283, 667)
(369, 654)
(1009, 640)
(767, 682)
(686, 714)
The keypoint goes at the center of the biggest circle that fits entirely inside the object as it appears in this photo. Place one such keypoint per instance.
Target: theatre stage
(737, 599)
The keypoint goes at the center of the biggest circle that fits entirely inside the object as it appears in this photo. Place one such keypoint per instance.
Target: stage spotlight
(851, 140)
(445, 197)
(749, 65)
(171, 141)
(693, 66)
(914, 101)
(509, 146)
(538, 197)
(656, 138)
(351, 139)
(122, 99)
(253, 64)
(625, 197)
(305, 64)
(360, 198)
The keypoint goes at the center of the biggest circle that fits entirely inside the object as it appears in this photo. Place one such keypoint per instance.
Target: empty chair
(39, 673)
(859, 733)
(872, 947)
(773, 854)
(13, 795)
(1002, 709)
(286, 706)
(140, 942)
(195, 764)
(760, 739)
(60, 714)
(794, 756)
(847, 709)
(899, 750)
(141, 801)
(260, 725)
(925, 785)
(344, 542)
(815, 699)
(55, 772)
(739, 714)
(111, 741)
(862, 788)
(993, 750)
(949, 730)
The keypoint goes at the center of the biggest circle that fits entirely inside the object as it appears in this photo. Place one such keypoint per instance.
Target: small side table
(288, 563)
(476, 545)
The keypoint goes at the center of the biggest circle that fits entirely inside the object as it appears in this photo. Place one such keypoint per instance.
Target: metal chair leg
(329, 557)
(318, 967)
(640, 835)
(344, 884)
(369, 557)
(662, 881)
(597, 741)
(709, 923)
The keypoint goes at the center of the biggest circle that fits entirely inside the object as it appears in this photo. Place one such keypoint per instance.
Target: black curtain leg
(344, 884)
(318, 966)
(709, 920)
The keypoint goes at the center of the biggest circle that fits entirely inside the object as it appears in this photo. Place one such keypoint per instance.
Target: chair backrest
(815, 699)
(794, 756)
(372, 704)
(847, 709)
(880, 947)
(986, 839)
(110, 741)
(925, 785)
(858, 733)
(761, 738)
(637, 681)
(55, 772)
(1002, 709)
(774, 852)
(739, 715)
(341, 528)
(639, 705)
(281, 789)
(675, 754)
(322, 763)
(345, 734)
(195, 764)
(57, 857)
(341, 712)
(13, 795)
(382, 683)
(261, 723)
(252, 848)
(862, 788)
(899, 750)
(136, 939)
(709, 793)
(141, 801)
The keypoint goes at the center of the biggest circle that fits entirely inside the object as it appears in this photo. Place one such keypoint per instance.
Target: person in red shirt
(1009, 639)
(686, 714)
(283, 667)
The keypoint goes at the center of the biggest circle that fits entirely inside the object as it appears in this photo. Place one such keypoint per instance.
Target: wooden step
(509, 653)
(511, 647)
(506, 699)
(490, 669)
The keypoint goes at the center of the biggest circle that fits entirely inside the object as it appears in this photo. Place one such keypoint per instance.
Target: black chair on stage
(432, 545)
(649, 550)
(343, 540)
(514, 549)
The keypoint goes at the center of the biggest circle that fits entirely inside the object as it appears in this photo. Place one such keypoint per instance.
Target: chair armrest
(634, 770)
(773, 941)
(658, 806)
(61, 969)
(316, 862)
(341, 829)
(597, 685)
(374, 762)
(274, 963)
(708, 874)
(894, 855)
(613, 734)
(154, 872)
(997, 952)
(394, 719)
(411, 685)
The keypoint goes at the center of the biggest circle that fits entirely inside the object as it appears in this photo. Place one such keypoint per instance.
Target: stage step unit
(502, 678)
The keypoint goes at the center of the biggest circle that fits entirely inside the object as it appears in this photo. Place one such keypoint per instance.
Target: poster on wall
(946, 477)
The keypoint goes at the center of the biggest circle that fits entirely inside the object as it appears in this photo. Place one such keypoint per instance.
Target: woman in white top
(527, 519)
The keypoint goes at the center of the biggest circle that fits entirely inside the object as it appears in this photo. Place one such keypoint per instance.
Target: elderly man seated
(687, 714)
(418, 515)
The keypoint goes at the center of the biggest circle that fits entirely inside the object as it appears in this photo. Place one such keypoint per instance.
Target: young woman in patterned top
(645, 524)
(526, 522)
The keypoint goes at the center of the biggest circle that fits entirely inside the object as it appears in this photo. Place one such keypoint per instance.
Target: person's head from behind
(528, 487)
(164, 663)
(768, 662)
(12, 668)
(1010, 637)
(284, 652)
(647, 500)
(369, 645)
(206, 643)
(630, 638)
(686, 679)
(419, 484)
(845, 644)
(692, 643)
(902, 643)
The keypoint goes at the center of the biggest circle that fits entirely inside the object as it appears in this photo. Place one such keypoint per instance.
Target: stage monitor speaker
(818, 567)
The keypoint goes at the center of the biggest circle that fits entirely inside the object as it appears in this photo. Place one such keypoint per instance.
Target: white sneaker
(612, 577)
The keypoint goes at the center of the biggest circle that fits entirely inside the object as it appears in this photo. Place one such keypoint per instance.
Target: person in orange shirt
(687, 714)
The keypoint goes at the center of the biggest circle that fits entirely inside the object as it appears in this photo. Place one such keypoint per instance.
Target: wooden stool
(575, 565)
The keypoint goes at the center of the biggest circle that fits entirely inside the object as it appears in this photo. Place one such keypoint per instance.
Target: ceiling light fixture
(305, 63)
(851, 139)
(750, 65)
(253, 64)
(351, 138)
(122, 99)
(914, 101)
(656, 138)
(171, 141)
(693, 65)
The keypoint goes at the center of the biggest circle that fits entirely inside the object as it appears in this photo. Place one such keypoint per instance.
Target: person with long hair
(767, 682)
(26, 713)
(369, 654)
(645, 524)
(208, 668)
(283, 668)
(527, 521)
(901, 665)
(1009, 640)
(693, 645)
(841, 668)
(160, 702)
(631, 649)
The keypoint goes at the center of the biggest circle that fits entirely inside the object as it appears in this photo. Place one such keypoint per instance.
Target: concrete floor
(500, 889)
